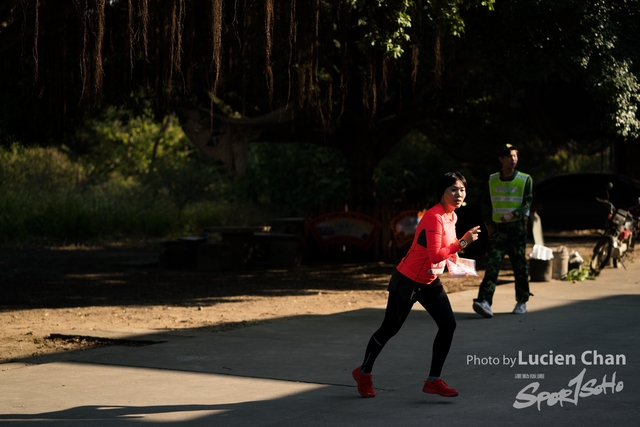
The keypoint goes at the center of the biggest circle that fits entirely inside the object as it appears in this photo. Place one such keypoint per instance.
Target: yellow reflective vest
(506, 196)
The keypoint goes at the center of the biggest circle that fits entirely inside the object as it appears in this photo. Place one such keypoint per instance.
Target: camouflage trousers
(512, 241)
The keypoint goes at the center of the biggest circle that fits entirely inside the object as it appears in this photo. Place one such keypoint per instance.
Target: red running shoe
(365, 383)
(439, 387)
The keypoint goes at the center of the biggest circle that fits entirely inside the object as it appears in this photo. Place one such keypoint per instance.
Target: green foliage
(184, 183)
(617, 91)
(66, 215)
(410, 171)
(43, 169)
(129, 145)
(579, 275)
(609, 56)
(123, 142)
(294, 175)
(551, 76)
(140, 181)
(95, 214)
(384, 25)
(53, 195)
(566, 161)
(147, 186)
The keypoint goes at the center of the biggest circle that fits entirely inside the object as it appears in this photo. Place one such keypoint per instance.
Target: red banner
(344, 227)
(404, 225)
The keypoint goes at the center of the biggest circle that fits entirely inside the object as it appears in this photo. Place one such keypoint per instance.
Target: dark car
(568, 201)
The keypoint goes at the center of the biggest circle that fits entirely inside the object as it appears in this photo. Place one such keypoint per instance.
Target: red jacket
(434, 242)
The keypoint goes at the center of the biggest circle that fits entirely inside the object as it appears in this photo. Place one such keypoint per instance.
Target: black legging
(434, 299)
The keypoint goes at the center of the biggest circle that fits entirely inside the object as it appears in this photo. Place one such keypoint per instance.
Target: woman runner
(416, 279)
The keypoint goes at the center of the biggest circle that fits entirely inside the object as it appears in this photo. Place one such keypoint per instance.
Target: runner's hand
(471, 235)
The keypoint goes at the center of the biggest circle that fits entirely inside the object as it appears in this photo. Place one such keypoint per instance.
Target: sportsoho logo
(577, 388)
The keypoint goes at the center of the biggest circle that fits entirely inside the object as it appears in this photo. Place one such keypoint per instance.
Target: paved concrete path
(297, 371)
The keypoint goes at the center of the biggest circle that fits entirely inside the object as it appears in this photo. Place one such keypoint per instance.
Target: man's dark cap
(504, 149)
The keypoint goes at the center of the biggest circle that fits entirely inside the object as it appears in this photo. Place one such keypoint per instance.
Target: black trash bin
(540, 270)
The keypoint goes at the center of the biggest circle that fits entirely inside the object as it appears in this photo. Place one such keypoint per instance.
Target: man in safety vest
(505, 211)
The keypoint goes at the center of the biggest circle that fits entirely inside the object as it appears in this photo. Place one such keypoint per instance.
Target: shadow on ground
(325, 394)
(117, 275)
(58, 278)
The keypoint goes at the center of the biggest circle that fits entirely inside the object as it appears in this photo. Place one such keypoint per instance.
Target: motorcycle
(621, 229)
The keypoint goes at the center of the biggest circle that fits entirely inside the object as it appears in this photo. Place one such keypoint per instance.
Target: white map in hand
(463, 268)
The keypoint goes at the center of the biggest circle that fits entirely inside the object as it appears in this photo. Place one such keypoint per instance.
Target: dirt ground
(68, 298)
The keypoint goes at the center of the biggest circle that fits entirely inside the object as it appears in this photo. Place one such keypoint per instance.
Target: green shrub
(579, 274)
(119, 142)
(41, 169)
(44, 194)
(292, 176)
(66, 216)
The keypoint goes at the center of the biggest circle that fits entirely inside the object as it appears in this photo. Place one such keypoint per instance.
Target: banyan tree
(355, 75)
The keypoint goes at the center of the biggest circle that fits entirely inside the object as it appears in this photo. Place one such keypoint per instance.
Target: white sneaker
(521, 308)
(483, 309)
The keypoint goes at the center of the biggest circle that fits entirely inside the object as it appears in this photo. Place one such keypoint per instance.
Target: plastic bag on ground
(541, 252)
(574, 257)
